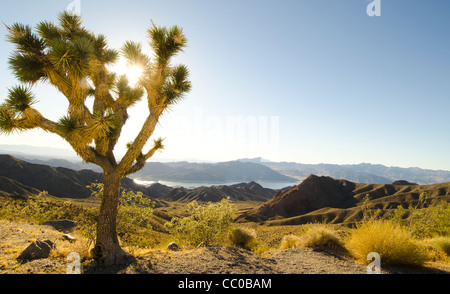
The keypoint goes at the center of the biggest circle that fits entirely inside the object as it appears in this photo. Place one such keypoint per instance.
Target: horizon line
(74, 156)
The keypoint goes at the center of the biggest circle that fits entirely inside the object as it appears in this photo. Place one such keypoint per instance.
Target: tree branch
(135, 149)
(141, 160)
(84, 151)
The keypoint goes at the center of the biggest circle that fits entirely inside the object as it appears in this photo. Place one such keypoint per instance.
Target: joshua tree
(75, 61)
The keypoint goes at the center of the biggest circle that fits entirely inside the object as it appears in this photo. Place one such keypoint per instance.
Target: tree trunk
(107, 250)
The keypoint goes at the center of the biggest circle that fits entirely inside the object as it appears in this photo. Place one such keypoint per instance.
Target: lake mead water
(270, 185)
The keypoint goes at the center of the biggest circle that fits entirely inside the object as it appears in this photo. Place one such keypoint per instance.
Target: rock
(63, 225)
(173, 246)
(69, 238)
(36, 250)
(202, 245)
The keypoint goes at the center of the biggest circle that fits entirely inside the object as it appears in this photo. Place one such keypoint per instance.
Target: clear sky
(310, 81)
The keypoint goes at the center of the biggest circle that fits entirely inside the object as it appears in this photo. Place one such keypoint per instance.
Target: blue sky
(311, 81)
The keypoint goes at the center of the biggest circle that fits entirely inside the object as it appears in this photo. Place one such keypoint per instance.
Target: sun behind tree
(76, 62)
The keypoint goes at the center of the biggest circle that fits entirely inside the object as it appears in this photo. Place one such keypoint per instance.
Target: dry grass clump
(443, 244)
(394, 243)
(241, 237)
(317, 236)
(290, 241)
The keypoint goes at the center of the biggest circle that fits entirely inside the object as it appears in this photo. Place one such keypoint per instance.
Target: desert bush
(322, 237)
(242, 237)
(443, 244)
(426, 218)
(134, 208)
(205, 223)
(39, 210)
(393, 242)
(290, 241)
(314, 237)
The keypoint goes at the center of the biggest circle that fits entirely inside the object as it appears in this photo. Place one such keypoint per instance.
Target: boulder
(69, 238)
(63, 225)
(36, 250)
(202, 245)
(173, 247)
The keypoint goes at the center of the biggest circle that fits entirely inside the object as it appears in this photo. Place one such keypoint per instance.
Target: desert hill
(336, 201)
(239, 192)
(18, 177)
(57, 181)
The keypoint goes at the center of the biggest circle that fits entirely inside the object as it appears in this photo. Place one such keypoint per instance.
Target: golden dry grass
(394, 243)
(314, 236)
(241, 237)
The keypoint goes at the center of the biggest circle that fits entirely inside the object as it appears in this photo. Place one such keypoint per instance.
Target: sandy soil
(232, 260)
(14, 237)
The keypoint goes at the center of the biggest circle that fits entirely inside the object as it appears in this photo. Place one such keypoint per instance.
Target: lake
(265, 184)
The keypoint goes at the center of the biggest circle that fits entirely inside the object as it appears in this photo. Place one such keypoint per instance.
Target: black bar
(225, 283)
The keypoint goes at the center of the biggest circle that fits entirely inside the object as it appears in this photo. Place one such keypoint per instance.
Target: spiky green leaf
(128, 96)
(67, 125)
(166, 42)
(71, 25)
(27, 68)
(179, 78)
(20, 98)
(48, 31)
(102, 126)
(158, 144)
(24, 39)
(8, 120)
(177, 85)
(132, 51)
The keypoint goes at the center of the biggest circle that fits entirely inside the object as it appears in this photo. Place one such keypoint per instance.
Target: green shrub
(205, 223)
(393, 242)
(426, 218)
(134, 209)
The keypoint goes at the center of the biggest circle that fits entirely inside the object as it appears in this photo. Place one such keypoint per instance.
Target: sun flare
(131, 71)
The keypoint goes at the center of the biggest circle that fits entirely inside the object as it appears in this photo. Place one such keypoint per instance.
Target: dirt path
(14, 237)
(232, 260)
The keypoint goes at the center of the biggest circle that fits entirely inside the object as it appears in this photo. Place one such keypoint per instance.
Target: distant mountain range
(360, 173)
(242, 170)
(19, 178)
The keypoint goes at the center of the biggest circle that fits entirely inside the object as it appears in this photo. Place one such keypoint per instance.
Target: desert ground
(15, 237)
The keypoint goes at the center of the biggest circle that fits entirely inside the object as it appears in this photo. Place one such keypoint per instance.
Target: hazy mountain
(243, 170)
(21, 178)
(361, 173)
(38, 152)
